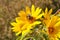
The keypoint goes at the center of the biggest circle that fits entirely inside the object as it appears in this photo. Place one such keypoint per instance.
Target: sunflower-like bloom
(47, 15)
(52, 24)
(27, 20)
(53, 28)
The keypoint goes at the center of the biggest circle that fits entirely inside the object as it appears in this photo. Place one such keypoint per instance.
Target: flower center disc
(31, 19)
(51, 30)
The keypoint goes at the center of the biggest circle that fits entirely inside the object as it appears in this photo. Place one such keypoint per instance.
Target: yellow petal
(18, 20)
(13, 23)
(25, 32)
(39, 16)
(58, 35)
(58, 19)
(32, 10)
(56, 38)
(50, 11)
(57, 25)
(47, 22)
(25, 27)
(27, 10)
(16, 28)
(53, 20)
(46, 15)
(46, 10)
(36, 22)
(31, 26)
(36, 13)
(22, 14)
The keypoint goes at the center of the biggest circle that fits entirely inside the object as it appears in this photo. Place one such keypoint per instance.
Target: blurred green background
(10, 8)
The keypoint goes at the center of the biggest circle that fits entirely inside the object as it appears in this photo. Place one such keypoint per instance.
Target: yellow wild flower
(27, 20)
(53, 28)
(52, 24)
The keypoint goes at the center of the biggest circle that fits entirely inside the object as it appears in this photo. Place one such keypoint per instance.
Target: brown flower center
(30, 18)
(51, 30)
